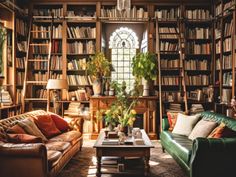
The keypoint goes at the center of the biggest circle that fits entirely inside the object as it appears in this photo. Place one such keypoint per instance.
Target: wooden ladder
(31, 60)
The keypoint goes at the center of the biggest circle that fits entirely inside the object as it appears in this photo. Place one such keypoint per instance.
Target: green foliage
(98, 66)
(2, 40)
(145, 65)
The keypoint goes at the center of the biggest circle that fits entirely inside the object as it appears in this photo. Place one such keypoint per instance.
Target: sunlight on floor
(166, 156)
(152, 163)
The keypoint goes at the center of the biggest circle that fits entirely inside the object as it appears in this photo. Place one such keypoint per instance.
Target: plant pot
(97, 87)
(145, 87)
(110, 127)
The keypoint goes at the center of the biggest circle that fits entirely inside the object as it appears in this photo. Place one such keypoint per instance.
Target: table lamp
(56, 85)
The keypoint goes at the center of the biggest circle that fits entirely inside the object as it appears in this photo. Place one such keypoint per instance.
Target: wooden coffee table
(122, 151)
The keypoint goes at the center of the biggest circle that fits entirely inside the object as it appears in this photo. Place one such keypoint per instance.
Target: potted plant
(145, 67)
(2, 40)
(98, 67)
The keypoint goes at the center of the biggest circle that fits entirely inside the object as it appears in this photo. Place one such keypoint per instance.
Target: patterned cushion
(222, 131)
(172, 118)
(16, 129)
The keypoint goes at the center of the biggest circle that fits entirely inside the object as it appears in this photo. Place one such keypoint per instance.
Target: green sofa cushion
(179, 145)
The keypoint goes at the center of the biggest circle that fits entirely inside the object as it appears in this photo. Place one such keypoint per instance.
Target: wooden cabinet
(146, 111)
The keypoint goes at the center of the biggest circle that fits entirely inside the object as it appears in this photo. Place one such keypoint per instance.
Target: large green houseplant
(145, 67)
(98, 67)
(2, 40)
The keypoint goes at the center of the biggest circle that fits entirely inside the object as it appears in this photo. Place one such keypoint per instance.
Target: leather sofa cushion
(58, 146)
(180, 145)
(53, 158)
(72, 137)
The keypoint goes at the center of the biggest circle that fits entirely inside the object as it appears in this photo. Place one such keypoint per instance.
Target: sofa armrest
(213, 157)
(23, 160)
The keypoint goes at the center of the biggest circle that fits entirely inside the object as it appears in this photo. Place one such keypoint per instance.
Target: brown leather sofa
(37, 159)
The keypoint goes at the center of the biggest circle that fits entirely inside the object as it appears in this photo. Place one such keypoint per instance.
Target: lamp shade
(57, 84)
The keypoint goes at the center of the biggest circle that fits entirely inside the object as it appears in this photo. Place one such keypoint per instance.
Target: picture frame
(195, 95)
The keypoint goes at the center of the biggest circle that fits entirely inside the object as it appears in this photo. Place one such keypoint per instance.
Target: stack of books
(5, 98)
(174, 108)
(110, 142)
(196, 108)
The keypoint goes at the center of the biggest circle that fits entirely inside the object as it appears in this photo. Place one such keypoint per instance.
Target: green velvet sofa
(203, 157)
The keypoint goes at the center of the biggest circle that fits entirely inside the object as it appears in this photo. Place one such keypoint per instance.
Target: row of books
(218, 9)
(228, 29)
(227, 79)
(196, 65)
(226, 95)
(40, 65)
(41, 93)
(42, 76)
(18, 96)
(228, 6)
(79, 80)
(20, 63)
(170, 63)
(168, 46)
(132, 13)
(227, 45)
(56, 46)
(171, 13)
(79, 95)
(168, 32)
(22, 46)
(81, 32)
(198, 33)
(195, 48)
(77, 64)
(218, 47)
(21, 27)
(198, 14)
(42, 48)
(170, 96)
(20, 78)
(197, 80)
(56, 62)
(57, 12)
(84, 13)
(218, 32)
(43, 32)
(227, 62)
(170, 80)
(81, 47)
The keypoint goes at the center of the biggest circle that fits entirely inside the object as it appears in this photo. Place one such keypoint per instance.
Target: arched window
(123, 44)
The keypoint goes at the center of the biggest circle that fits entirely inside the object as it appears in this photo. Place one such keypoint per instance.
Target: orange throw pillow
(46, 125)
(16, 129)
(172, 118)
(222, 131)
(60, 123)
(23, 138)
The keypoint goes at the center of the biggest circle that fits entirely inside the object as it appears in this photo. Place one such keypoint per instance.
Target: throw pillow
(16, 129)
(23, 138)
(222, 131)
(202, 129)
(60, 123)
(185, 124)
(46, 125)
(30, 127)
(172, 118)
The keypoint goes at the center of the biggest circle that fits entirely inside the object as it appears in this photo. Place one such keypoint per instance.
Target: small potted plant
(98, 67)
(145, 67)
(2, 40)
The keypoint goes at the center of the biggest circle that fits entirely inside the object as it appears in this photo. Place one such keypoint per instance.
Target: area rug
(83, 164)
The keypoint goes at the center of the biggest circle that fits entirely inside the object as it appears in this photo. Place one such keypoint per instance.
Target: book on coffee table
(110, 141)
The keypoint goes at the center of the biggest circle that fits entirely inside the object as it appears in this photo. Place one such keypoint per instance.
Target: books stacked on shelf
(132, 13)
(79, 80)
(170, 96)
(196, 108)
(77, 109)
(227, 45)
(87, 47)
(21, 46)
(56, 46)
(196, 64)
(82, 12)
(228, 28)
(40, 76)
(56, 62)
(217, 32)
(77, 64)
(228, 6)
(198, 14)
(20, 78)
(168, 46)
(198, 48)
(174, 107)
(81, 32)
(43, 32)
(170, 64)
(57, 12)
(198, 33)
(18, 96)
(170, 80)
(20, 63)
(5, 98)
(227, 62)
(79, 95)
(171, 13)
(56, 76)
(226, 95)
(168, 32)
(218, 47)
(227, 79)
(198, 80)
(41, 48)
(41, 93)
(41, 65)
(21, 27)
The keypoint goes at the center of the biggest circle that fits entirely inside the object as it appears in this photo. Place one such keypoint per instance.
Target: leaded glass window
(123, 44)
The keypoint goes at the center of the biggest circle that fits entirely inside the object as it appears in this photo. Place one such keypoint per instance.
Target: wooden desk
(146, 106)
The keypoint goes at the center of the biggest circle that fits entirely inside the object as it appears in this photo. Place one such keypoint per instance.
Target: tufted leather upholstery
(203, 157)
(37, 159)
